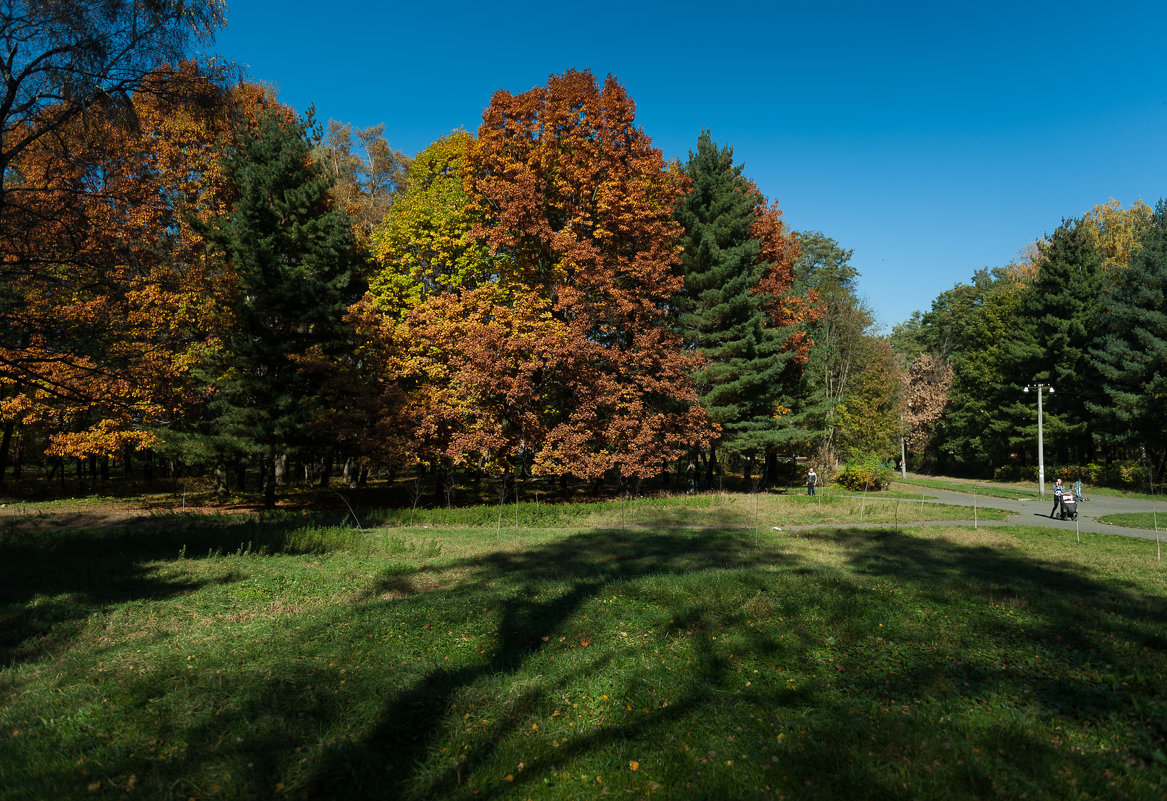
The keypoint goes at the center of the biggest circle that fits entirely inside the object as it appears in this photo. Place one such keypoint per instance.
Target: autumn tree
(926, 384)
(575, 205)
(839, 332)
(295, 262)
(746, 382)
(366, 172)
(866, 420)
(112, 355)
(61, 60)
(1115, 233)
(423, 245)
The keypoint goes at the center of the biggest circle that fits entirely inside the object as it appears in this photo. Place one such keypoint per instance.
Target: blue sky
(931, 138)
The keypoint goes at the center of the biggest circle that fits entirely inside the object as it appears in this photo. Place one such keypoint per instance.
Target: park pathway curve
(1036, 512)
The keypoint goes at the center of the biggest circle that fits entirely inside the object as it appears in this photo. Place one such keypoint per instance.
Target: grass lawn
(681, 649)
(1149, 520)
(1015, 491)
(1008, 491)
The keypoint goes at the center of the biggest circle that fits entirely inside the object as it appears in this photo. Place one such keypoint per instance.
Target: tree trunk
(5, 444)
(771, 470)
(277, 463)
(326, 470)
(18, 461)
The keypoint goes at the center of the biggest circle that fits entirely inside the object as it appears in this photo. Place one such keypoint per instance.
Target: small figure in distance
(812, 481)
(1059, 488)
(1078, 496)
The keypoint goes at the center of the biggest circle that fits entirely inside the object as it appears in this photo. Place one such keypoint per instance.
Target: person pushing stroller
(1059, 488)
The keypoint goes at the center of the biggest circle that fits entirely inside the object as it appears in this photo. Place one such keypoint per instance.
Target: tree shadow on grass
(544, 588)
(52, 581)
(539, 591)
(869, 716)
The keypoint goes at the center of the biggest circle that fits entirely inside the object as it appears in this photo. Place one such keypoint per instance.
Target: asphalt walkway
(1036, 512)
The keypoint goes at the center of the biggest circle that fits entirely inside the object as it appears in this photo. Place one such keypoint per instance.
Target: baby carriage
(1068, 508)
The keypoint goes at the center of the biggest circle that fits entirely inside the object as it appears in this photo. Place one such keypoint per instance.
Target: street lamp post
(1040, 442)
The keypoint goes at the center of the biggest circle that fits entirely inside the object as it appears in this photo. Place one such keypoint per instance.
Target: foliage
(422, 245)
(928, 380)
(295, 261)
(366, 174)
(1131, 351)
(867, 420)
(123, 300)
(552, 265)
(851, 398)
(1115, 233)
(69, 71)
(865, 473)
(751, 366)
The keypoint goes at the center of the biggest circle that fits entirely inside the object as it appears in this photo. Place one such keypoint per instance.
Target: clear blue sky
(932, 138)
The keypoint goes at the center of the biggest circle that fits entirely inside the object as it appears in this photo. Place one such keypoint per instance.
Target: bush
(1015, 472)
(1119, 475)
(867, 473)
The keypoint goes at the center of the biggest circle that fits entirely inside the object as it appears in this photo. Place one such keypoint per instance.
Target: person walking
(1059, 488)
(812, 481)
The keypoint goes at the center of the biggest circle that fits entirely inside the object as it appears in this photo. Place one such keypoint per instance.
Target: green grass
(721, 510)
(1008, 491)
(1150, 520)
(1018, 492)
(297, 659)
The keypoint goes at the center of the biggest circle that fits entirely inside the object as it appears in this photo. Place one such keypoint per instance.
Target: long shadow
(384, 764)
(1074, 615)
(51, 581)
(539, 592)
(395, 760)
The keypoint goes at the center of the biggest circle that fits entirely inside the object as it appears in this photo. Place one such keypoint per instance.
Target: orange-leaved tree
(576, 206)
(117, 296)
(521, 311)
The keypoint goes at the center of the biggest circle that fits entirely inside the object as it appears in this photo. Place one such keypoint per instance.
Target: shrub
(1015, 472)
(865, 473)
(1120, 475)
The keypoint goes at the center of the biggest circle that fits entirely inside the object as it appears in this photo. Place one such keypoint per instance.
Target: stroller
(1068, 508)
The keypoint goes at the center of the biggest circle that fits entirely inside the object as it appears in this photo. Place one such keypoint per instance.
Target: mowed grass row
(725, 510)
(719, 509)
(313, 661)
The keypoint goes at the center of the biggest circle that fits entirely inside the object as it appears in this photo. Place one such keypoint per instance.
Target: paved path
(1036, 513)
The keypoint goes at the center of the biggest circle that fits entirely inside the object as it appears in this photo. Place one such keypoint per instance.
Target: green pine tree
(1055, 325)
(1131, 354)
(744, 381)
(297, 265)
